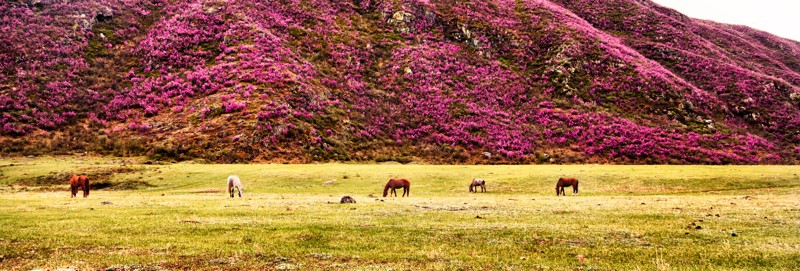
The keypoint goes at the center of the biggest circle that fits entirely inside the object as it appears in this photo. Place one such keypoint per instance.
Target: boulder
(347, 199)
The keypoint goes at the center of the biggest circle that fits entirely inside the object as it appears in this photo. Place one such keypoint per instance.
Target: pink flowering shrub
(751, 76)
(624, 81)
(43, 58)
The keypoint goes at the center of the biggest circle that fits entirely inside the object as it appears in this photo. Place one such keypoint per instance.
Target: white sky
(779, 17)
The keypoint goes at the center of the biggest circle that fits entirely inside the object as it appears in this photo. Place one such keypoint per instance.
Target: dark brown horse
(397, 183)
(79, 182)
(564, 182)
(477, 182)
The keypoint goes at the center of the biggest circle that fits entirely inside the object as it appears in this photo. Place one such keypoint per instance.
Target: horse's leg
(483, 188)
(74, 190)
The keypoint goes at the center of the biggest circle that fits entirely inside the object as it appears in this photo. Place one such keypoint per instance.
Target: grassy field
(178, 216)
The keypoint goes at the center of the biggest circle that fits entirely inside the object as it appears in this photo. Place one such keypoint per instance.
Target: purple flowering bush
(445, 81)
(44, 58)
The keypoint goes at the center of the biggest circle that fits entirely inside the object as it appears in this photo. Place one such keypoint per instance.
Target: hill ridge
(527, 81)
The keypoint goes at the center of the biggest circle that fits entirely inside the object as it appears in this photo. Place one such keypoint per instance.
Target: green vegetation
(178, 216)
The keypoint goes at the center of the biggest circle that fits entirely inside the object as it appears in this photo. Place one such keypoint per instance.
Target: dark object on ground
(347, 199)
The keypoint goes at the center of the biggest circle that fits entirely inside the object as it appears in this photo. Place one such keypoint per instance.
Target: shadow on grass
(100, 178)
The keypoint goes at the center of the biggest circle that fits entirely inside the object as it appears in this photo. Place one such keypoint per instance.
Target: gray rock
(347, 199)
(401, 20)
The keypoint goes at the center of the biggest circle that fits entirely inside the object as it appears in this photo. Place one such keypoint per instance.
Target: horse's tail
(558, 187)
(576, 186)
(86, 186)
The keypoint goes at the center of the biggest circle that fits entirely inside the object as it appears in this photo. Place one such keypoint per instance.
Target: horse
(79, 182)
(347, 199)
(234, 182)
(397, 183)
(477, 182)
(564, 182)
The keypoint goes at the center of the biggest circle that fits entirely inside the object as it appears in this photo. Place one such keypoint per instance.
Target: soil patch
(100, 178)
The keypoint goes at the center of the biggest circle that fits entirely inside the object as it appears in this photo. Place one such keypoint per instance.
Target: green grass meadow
(179, 216)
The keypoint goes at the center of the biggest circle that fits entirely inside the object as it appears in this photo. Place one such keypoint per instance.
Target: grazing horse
(234, 182)
(564, 182)
(79, 182)
(397, 183)
(477, 182)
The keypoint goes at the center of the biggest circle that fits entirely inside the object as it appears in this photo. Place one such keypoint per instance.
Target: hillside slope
(529, 81)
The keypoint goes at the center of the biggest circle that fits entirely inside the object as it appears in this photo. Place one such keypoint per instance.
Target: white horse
(234, 182)
(473, 187)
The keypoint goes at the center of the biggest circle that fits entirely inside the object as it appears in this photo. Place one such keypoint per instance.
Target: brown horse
(397, 183)
(564, 182)
(79, 182)
(477, 182)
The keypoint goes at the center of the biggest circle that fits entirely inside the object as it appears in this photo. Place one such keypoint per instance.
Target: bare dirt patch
(208, 191)
(100, 178)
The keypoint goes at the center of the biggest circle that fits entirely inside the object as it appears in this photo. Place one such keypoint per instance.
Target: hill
(624, 81)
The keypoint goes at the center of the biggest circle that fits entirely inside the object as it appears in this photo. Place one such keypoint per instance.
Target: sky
(779, 17)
